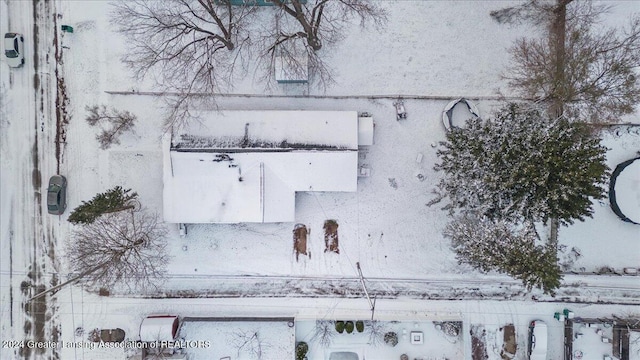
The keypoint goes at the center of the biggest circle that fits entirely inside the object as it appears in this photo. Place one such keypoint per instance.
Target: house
(246, 166)
(601, 338)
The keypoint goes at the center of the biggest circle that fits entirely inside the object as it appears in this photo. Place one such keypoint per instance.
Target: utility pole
(372, 304)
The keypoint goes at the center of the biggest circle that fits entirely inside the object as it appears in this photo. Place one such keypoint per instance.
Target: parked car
(14, 49)
(538, 340)
(57, 195)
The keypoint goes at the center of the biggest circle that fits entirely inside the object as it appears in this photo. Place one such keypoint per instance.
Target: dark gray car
(57, 195)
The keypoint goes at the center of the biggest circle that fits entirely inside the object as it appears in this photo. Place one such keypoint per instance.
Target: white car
(14, 49)
(538, 340)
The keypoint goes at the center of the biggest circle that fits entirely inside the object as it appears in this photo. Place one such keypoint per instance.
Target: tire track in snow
(451, 288)
(39, 326)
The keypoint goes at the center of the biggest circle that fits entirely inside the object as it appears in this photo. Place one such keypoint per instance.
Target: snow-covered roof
(159, 328)
(240, 339)
(245, 166)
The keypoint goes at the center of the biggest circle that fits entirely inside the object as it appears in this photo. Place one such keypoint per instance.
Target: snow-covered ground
(385, 225)
(430, 48)
(605, 240)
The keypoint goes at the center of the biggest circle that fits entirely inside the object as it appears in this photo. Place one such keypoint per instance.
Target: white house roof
(214, 173)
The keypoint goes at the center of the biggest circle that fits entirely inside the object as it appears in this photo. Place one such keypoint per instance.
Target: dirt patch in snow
(300, 240)
(509, 342)
(331, 236)
(478, 347)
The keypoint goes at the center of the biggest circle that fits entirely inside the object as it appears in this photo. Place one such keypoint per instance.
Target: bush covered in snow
(301, 350)
(391, 338)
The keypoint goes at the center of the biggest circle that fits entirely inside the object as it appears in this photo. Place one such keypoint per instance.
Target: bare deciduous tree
(250, 343)
(189, 46)
(376, 330)
(126, 247)
(113, 123)
(543, 12)
(302, 28)
(581, 73)
(195, 48)
(324, 332)
(323, 21)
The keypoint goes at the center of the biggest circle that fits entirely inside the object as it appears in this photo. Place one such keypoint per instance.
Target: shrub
(360, 326)
(340, 326)
(349, 327)
(391, 338)
(301, 350)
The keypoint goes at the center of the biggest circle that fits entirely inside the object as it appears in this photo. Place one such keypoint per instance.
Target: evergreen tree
(523, 165)
(501, 246)
(113, 200)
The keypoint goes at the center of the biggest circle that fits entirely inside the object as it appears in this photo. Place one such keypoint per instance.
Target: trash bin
(568, 313)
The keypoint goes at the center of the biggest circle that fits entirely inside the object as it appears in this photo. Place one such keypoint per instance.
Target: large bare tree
(124, 248)
(323, 21)
(187, 46)
(302, 28)
(580, 72)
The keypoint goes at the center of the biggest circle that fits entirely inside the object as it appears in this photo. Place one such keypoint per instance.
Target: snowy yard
(589, 340)
(385, 225)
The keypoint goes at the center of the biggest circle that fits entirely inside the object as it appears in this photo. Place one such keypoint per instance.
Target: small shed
(159, 328)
